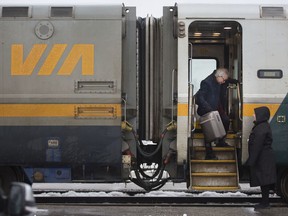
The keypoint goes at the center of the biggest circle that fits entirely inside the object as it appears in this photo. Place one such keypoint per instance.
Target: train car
(83, 85)
(68, 79)
(250, 41)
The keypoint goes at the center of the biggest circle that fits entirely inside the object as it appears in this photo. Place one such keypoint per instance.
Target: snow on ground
(102, 186)
(120, 189)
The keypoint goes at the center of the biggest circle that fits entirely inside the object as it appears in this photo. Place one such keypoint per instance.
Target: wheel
(284, 185)
(7, 176)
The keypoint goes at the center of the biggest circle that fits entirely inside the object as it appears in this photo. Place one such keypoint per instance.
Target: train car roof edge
(235, 11)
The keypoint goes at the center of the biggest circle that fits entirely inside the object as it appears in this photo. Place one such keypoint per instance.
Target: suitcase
(212, 126)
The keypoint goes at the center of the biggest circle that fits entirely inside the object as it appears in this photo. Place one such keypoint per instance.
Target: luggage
(212, 126)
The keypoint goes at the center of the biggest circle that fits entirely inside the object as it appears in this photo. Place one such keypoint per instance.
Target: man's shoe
(223, 144)
(261, 206)
(211, 157)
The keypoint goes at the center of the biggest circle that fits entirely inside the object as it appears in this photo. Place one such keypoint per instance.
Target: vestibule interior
(214, 44)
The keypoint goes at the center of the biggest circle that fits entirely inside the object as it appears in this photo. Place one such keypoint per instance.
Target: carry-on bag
(212, 126)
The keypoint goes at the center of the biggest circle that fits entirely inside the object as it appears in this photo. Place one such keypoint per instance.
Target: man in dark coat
(261, 156)
(212, 96)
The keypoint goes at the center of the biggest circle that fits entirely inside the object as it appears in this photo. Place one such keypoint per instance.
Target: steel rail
(157, 200)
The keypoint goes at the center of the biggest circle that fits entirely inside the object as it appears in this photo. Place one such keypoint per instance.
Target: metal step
(226, 149)
(231, 139)
(228, 136)
(223, 153)
(213, 161)
(221, 188)
(213, 166)
(221, 174)
(214, 179)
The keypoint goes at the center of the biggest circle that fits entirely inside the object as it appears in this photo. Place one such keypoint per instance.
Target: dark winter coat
(261, 156)
(212, 96)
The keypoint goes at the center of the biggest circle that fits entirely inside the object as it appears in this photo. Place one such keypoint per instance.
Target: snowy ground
(118, 189)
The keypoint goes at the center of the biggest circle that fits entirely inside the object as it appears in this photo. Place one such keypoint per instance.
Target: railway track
(133, 198)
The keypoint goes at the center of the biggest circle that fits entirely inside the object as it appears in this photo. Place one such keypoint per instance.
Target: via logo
(26, 67)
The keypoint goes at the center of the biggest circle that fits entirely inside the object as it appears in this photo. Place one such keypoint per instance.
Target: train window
(61, 11)
(15, 11)
(270, 74)
(201, 68)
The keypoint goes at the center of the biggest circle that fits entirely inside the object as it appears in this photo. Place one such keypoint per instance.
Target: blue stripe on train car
(44, 145)
(279, 128)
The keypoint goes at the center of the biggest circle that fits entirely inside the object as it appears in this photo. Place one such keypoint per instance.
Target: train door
(214, 44)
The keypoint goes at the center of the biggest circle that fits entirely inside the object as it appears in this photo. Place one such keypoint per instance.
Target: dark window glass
(61, 11)
(270, 74)
(15, 12)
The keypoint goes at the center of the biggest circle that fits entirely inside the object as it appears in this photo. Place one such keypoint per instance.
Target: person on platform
(261, 156)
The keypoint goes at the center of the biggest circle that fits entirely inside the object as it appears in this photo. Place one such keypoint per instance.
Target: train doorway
(214, 44)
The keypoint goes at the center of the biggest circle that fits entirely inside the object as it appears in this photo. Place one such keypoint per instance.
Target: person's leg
(265, 198)
(265, 195)
(209, 152)
(226, 122)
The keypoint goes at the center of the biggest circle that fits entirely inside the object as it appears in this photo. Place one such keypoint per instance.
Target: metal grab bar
(125, 109)
(192, 110)
(172, 94)
(239, 103)
(239, 99)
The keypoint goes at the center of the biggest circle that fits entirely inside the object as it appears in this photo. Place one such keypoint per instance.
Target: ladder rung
(200, 148)
(214, 188)
(213, 161)
(215, 174)
(201, 136)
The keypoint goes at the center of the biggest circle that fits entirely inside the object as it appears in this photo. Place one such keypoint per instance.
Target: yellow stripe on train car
(61, 110)
(182, 110)
(248, 109)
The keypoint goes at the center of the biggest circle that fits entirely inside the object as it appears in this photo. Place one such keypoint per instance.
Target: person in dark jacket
(212, 96)
(261, 156)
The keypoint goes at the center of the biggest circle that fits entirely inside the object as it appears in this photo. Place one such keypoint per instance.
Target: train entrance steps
(214, 175)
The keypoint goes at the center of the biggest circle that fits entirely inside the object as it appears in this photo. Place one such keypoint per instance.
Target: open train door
(212, 44)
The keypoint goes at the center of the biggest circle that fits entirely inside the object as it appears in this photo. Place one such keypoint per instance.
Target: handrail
(194, 115)
(125, 109)
(191, 92)
(240, 102)
(190, 89)
(172, 96)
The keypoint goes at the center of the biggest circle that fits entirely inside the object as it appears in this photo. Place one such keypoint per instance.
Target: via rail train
(83, 86)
